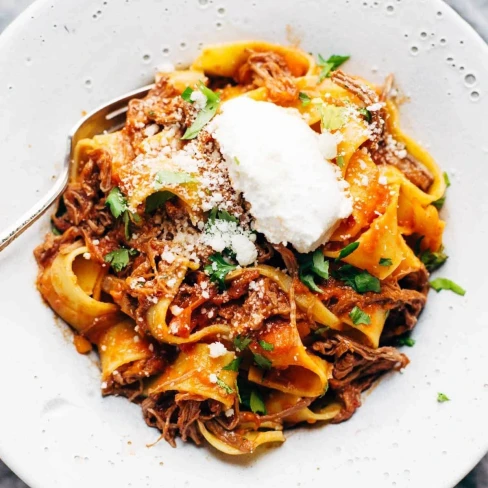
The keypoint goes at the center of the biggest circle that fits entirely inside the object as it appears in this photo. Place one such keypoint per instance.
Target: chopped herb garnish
(446, 179)
(438, 204)
(359, 317)
(157, 199)
(186, 95)
(366, 114)
(165, 177)
(266, 345)
(445, 284)
(218, 269)
(321, 330)
(433, 260)
(330, 64)
(385, 262)
(308, 279)
(304, 98)
(261, 361)
(441, 398)
(349, 249)
(313, 264)
(55, 230)
(206, 114)
(119, 258)
(405, 341)
(360, 280)
(236, 160)
(331, 117)
(340, 161)
(245, 391)
(126, 218)
(233, 365)
(256, 403)
(216, 214)
(116, 202)
(319, 265)
(242, 343)
(225, 386)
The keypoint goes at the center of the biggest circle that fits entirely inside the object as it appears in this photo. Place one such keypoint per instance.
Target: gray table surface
(476, 13)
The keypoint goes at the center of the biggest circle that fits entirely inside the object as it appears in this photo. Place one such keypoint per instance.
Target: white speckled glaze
(65, 56)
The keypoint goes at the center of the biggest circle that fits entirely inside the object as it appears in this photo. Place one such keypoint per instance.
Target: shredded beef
(369, 97)
(355, 368)
(404, 303)
(177, 415)
(414, 171)
(270, 70)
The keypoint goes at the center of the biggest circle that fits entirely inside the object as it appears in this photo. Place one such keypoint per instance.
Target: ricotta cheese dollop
(277, 162)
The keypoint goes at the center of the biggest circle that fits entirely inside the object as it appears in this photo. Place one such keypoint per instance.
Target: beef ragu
(231, 308)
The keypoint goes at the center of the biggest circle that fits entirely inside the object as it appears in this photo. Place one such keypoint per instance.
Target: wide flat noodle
(195, 371)
(71, 299)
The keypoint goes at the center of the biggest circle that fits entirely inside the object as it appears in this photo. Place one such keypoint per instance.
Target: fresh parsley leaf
(256, 403)
(218, 269)
(417, 248)
(224, 215)
(321, 330)
(119, 258)
(313, 264)
(340, 161)
(261, 361)
(365, 282)
(319, 265)
(331, 117)
(186, 95)
(438, 204)
(330, 64)
(225, 386)
(233, 365)
(349, 249)
(266, 345)
(127, 225)
(304, 98)
(385, 262)
(242, 343)
(55, 230)
(441, 398)
(405, 341)
(446, 179)
(359, 280)
(165, 177)
(433, 260)
(359, 317)
(445, 284)
(157, 199)
(366, 114)
(309, 280)
(116, 202)
(216, 214)
(205, 115)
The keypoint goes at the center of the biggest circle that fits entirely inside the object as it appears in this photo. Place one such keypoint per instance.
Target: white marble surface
(475, 12)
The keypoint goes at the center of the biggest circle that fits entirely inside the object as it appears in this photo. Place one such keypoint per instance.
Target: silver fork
(109, 118)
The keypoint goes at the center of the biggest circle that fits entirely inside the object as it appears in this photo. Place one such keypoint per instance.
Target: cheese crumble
(295, 194)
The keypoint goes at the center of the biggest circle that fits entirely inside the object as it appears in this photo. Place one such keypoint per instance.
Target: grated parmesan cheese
(212, 378)
(199, 99)
(217, 349)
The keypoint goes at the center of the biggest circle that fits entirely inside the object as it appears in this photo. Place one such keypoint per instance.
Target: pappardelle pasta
(247, 251)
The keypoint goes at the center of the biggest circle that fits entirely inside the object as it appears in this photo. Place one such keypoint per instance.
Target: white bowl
(62, 57)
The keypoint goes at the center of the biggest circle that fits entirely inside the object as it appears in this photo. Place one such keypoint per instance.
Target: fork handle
(37, 211)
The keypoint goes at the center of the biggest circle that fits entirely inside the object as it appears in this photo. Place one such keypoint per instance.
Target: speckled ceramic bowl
(62, 57)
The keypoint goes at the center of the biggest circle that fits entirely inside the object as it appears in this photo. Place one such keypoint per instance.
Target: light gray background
(475, 12)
